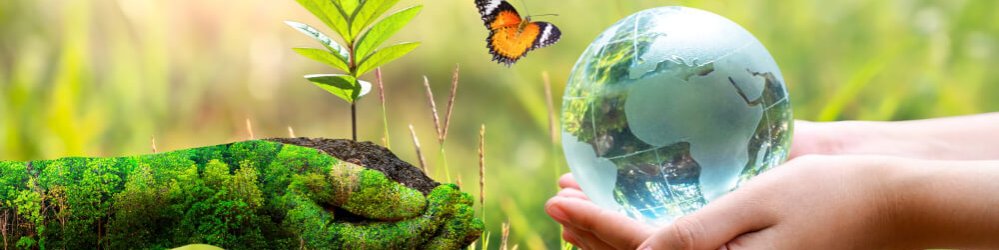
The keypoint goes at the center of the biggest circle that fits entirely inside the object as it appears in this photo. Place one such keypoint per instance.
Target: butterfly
(510, 36)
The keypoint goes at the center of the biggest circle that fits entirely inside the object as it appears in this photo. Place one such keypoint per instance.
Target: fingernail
(557, 213)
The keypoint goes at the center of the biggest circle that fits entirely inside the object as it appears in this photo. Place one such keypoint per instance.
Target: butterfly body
(510, 36)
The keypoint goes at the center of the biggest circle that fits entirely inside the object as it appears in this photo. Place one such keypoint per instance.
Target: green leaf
(343, 86)
(330, 14)
(346, 87)
(385, 55)
(368, 13)
(341, 52)
(324, 57)
(348, 6)
(384, 29)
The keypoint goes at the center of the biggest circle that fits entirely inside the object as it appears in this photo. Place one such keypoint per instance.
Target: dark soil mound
(371, 156)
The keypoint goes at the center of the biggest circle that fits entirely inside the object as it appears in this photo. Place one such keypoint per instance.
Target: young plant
(361, 35)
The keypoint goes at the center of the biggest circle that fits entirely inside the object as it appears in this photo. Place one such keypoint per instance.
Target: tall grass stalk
(482, 172)
(505, 236)
(381, 96)
(450, 102)
(552, 123)
(437, 128)
(419, 153)
(442, 128)
(552, 132)
(485, 240)
(249, 129)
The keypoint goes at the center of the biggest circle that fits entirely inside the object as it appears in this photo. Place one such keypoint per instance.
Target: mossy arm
(244, 195)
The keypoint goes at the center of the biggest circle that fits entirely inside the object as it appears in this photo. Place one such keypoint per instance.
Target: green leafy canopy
(357, 24)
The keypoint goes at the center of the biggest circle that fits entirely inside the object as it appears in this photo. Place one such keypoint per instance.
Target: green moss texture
(245, 195)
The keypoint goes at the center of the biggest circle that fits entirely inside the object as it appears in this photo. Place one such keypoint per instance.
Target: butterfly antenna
(545, 15)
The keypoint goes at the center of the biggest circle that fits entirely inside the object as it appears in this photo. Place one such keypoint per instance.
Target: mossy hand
(253, 194)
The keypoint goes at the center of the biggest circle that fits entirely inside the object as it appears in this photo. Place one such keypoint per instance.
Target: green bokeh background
(104, 77)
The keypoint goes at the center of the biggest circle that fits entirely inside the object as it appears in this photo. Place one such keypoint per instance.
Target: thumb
(713, 226)
(370, 194)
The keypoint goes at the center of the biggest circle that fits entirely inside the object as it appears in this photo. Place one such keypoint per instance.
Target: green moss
(246, 195)
(379, 198)
(454, 210)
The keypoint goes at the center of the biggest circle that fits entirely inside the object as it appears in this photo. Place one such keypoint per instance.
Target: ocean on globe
(671, 108)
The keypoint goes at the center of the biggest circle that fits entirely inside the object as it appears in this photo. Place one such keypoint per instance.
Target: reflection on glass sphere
(671, 108)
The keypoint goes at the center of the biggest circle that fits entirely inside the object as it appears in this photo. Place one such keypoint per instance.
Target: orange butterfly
(510, 37)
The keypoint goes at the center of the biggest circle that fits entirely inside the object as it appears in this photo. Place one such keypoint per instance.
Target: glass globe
(671, 108)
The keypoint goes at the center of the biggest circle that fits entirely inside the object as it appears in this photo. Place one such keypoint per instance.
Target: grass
(101, 77)
(439, 127)
(386, 140)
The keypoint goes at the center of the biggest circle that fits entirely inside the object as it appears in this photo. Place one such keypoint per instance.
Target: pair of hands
(831, 194)
(817, 197)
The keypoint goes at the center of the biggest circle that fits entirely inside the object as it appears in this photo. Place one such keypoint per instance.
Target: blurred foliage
(103, 77)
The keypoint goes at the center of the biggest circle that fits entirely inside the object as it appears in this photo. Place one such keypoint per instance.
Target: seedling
(355, 22)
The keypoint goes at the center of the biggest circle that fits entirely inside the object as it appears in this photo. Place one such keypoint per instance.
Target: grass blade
(549, 101)
(482, 172)
(433, 109)
(381, 97)
(419, 152)
(450, 101)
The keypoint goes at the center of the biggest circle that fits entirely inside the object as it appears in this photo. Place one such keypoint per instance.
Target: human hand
(809, 202)
(848, 202)
(589, 226)
(772, 211)
(970, 137)
(813, 138)
(251, 194)
(869, 201)
(382, 214)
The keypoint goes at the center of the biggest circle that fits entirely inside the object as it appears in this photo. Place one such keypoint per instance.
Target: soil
(371, 156)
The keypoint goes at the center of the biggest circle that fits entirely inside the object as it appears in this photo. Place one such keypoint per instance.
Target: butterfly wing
(498, 14)
(508, 39)
(548, 35)
(507, 45)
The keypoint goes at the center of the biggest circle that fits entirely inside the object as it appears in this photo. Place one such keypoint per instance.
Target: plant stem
(447, 172)
(353, 119)
(353, 104)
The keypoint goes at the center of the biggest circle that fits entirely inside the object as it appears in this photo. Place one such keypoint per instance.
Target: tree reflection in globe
(671, 108)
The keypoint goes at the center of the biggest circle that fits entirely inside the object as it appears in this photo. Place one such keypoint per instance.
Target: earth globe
(671, 108)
